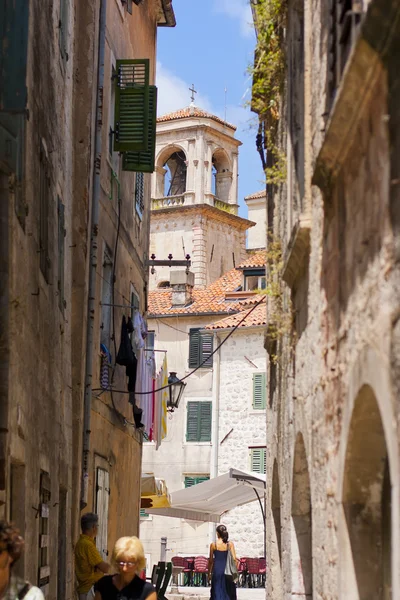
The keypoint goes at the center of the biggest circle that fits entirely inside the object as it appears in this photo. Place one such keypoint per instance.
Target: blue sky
(212, 46)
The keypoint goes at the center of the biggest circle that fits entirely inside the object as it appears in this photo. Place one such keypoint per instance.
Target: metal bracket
(169, 263)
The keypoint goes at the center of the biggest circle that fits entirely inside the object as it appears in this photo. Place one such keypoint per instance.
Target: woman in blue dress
(222, 586)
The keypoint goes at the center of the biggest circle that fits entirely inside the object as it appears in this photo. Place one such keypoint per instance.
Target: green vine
(268, 73)
(280, 314)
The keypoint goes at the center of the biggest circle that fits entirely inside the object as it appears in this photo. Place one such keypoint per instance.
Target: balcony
(221, 205)
(167, 202)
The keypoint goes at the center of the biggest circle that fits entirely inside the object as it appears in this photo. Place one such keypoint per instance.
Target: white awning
(208, 500)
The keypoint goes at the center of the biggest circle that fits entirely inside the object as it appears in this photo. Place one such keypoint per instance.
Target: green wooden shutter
(132, 105)
(192, 422)
(258, 460)
(144, 514)
(194, 348)
(206, 348)
(259, 391)
(205, 422)
(202, 478)
(144, 161)
(14, 27)
(189, 481)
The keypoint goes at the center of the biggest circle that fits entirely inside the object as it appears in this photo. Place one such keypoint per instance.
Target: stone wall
(240, 428)
(331, 427)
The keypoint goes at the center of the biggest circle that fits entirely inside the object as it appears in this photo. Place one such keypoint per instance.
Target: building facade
(74, 235)
(333, 412)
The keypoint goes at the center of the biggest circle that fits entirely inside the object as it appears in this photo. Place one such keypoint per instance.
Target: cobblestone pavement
(203, 593)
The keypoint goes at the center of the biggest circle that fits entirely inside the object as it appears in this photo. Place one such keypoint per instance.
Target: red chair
(200, 571)
(262, 571)
(242, 572)
(180, 561)
(189, 570)
(253, 567)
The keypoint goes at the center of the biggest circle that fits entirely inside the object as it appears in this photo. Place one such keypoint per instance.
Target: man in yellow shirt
(89, 564)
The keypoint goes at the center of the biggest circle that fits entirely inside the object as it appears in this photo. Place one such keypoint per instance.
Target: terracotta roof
(260, 194)
(251, 319)
(209, 300)
(193, 111)
(257, 259)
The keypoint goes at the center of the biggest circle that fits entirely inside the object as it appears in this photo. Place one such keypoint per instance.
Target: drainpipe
(215, 422)
(93, 257)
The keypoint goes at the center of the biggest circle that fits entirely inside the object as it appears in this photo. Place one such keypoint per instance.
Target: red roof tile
(260, 194)
(252, 318)
(254, 260)
(209, 300)
(193, 111)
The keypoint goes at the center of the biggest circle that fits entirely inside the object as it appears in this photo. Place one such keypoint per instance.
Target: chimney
(181, 285)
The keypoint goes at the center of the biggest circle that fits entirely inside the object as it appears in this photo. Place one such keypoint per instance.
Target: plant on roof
(268, 72)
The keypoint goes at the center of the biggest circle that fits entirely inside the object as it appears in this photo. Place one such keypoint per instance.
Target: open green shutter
(206, 349)
(192, 422)
(132, 105)
(259, 391)
(194, 348)
(205, 422)
(144, 161)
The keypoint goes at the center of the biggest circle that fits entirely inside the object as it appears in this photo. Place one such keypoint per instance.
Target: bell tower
(195, 195)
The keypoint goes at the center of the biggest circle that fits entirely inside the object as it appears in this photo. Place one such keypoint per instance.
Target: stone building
(333, 410)
(195, 195)
(74, 228)
(217, 423)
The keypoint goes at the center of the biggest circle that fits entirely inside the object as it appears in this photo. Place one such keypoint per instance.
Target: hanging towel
(164, 398)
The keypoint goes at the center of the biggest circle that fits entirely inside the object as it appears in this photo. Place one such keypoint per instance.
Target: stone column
(233, 196)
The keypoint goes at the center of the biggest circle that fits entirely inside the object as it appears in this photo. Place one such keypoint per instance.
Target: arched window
(163, 284)
(221, 175)
(175, 176)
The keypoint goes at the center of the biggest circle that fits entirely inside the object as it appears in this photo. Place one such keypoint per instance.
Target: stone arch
(301, 524)
(171, 171)
(275, 579)
(365, 532)
(222, 175)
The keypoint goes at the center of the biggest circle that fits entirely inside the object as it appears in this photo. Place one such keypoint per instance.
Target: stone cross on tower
(193, 92)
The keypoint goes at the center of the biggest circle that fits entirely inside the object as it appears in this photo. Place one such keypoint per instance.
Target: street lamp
(176, 387)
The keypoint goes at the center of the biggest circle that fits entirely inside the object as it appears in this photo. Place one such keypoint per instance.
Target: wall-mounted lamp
(176, 387)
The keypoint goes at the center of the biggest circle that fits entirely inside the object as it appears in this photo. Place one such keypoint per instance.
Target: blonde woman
(128, 558)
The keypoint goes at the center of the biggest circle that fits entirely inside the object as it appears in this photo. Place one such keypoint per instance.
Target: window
(195, 479)
(44, 191)
(259, 391)
(102, 498)
(345, 18)
(258, 460)
(150, 340)
(63, 26)
(198, 424)
(254, 280)
(61, 252)
(44, 531)
(139, 194)
(106, 297)
(200, 349)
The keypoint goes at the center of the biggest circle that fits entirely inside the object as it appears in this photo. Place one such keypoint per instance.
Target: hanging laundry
(105, 366)
(164, 398)
(138, 327)
(126, 356)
